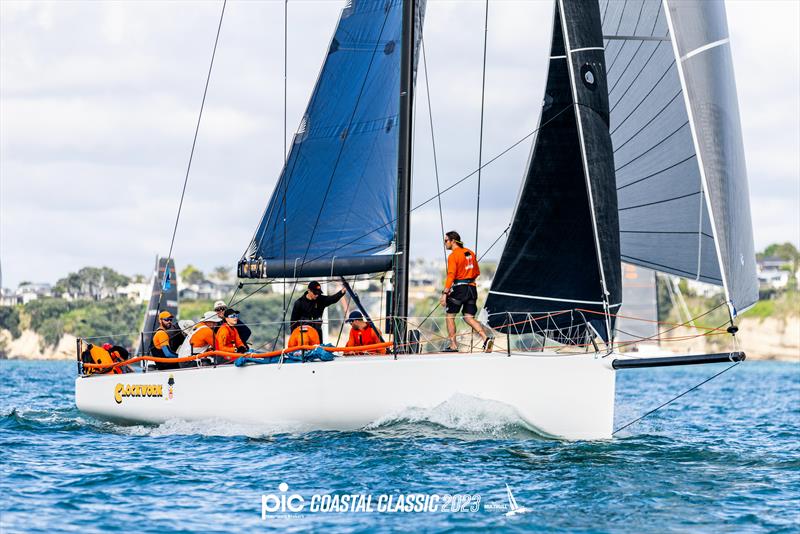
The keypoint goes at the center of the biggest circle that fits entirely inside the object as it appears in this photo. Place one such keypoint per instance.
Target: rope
(504, 232)
(433, 145)
(191, 154)
(285, 154)
(654, 410)
(480, 135)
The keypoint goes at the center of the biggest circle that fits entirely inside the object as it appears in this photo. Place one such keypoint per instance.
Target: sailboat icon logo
(513, 507)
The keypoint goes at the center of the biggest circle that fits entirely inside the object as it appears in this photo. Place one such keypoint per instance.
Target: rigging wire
(654, 410)
(480, 135)
(433, 144)
(191, 155)
(285, 154)
(452, 186)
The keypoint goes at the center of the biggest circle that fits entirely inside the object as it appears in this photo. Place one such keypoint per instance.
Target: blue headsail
(333, 209)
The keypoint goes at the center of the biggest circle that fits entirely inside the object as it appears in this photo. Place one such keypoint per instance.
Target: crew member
(362, 333)
(308, 308)
(202, 339)
(303, 335)
(118, 354)
(166, 340)
(460, 292)
(227, 337)
(244, 331)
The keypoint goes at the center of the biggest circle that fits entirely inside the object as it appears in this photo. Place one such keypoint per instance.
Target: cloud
(98, 104)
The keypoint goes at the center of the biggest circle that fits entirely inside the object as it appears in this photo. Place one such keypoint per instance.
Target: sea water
(725, 457)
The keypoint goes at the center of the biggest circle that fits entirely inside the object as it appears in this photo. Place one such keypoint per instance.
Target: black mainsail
(679, 158)
(562, 252)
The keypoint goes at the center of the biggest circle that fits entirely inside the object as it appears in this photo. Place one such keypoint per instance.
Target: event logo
(271, 504)
(285, 505)
(510, 509)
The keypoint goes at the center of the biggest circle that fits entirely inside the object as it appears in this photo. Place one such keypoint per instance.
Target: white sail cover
(679, 159)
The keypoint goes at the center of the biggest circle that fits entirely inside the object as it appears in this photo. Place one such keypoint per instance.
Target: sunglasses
(167, 319)
(234, 316)
(220, 309)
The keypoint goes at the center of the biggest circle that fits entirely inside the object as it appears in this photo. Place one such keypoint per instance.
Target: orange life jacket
(303, 335)
(360, 338)
(99, 355)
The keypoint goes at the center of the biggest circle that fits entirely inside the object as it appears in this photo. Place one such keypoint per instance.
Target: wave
(212, 427)
(461, 416)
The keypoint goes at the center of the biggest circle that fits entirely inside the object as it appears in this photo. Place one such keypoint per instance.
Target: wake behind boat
(637, 157)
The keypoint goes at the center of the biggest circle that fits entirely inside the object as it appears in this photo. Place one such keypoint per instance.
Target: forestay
(679, 159)
(333, 209)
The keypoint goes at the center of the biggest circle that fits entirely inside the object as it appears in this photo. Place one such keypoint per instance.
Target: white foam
(461, 412)
(212, 427)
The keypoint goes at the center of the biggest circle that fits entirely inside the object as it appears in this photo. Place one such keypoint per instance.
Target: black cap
(355, 315)
(231, 311)
(315, 288)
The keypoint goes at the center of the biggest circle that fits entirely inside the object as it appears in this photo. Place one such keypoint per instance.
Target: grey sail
(678, 153)
(561, 260)
(638, 316)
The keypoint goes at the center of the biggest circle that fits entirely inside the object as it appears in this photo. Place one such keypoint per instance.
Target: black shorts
(463, 298)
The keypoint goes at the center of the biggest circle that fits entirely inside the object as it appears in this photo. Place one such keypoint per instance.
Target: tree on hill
(91, 282)
(784, 251)
(9, 320)
(191, 275)
(222, 273)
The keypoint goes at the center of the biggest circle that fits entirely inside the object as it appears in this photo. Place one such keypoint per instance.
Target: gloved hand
(241, 350)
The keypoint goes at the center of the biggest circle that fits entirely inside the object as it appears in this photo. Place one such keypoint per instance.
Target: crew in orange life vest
(166, 340)
(203, 339)
(227, 337)
(303, 335)
(118, 354)
(362, 333)
(460, 292)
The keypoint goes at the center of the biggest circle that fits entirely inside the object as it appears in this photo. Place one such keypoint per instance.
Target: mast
(400, 308)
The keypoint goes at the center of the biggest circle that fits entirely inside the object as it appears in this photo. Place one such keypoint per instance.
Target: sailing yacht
(638, 157)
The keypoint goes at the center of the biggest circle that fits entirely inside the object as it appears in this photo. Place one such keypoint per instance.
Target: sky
(99, 102)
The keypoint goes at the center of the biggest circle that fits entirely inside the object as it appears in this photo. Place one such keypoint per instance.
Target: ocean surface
(724, 458)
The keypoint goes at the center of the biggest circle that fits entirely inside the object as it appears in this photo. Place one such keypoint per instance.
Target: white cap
(220, 304)
(211, 316)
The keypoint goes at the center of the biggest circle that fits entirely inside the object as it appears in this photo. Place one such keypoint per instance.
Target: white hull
(570, 397)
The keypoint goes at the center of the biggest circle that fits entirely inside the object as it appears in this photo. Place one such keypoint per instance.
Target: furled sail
(562, 252)
(678, 153)
(333, 209)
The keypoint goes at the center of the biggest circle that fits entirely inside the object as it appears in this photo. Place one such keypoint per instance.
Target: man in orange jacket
(227, 337)
(460, 291)
(362, 333)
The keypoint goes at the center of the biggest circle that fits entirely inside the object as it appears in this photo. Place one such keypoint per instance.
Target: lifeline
(137, 390)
